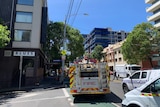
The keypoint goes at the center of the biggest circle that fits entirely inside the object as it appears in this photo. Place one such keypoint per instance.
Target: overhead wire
(69, 11)
(76, 11)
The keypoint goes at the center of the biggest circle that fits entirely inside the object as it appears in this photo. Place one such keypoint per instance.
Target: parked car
(138, 78)
(147, 95)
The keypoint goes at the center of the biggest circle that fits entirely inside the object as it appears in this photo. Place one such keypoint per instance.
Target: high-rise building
(154, 9)
(103, 37)
(22, 61)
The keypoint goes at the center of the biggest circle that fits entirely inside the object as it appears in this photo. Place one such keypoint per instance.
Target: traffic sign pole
(20, 68)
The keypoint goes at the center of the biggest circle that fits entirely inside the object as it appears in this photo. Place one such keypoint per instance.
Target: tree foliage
(139, 43)
(97, 52)
(4, 36)
(55, 35)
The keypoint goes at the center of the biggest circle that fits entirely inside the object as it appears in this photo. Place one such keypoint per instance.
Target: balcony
(157, 25)
(154, 17)
(153, 7)
(149, 1)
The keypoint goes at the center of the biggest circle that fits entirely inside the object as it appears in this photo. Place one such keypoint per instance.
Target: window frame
(21, 36)
(144, 74)
(23, 2)
(151, 88)
(137, 73)
(27, 15)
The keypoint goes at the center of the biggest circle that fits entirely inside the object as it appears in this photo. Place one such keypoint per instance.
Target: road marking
(42, 99)
(115, 105)
(29, 95)
(69, 99)
(67, 95)
(71, 103)
(65, 92)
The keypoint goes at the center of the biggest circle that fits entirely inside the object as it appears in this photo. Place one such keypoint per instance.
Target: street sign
(23, 53)
(63, 52)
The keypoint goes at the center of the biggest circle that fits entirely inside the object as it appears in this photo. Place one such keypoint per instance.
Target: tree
(4, 33)
(55, 41)
(138, 44)
(97, 52)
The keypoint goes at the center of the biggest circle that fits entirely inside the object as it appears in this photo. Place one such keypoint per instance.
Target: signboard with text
(23, 53)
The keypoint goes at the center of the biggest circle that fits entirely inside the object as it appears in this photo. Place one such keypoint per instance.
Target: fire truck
(89, 78)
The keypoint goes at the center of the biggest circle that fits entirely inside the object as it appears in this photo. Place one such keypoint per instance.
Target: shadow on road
(9, 95)
(93, 99)
(47, 84)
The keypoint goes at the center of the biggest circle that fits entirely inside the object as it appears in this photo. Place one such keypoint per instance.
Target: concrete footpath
(47, 83)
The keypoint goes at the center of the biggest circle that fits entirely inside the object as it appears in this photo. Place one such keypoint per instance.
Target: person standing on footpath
(115, 75)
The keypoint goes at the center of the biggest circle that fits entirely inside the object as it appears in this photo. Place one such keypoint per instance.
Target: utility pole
(64, 51)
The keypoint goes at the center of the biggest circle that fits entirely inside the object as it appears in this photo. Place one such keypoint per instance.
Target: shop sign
(23, 53)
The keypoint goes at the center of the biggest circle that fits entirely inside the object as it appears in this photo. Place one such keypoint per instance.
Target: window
(120, 59)
(136, 68)
(22, 35)
(144, 74)
(24, 17)
(154, 87)
(136, 75)
(25, 2)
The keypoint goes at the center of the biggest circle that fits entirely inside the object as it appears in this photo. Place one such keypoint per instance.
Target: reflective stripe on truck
(71, 76)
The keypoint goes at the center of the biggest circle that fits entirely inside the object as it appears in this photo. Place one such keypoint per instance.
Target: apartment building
(113, 55)
(104, 37)
(154, 9)
(23, 61)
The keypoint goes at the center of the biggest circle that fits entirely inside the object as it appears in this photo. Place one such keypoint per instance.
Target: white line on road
(42, 99)
(71, 103)
(69, 99)
(65, 92)
(29, 95)
(67, 95)
(115, 105)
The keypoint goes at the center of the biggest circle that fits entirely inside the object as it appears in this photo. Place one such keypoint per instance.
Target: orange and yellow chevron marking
(71, 70)
(89, 89)
(150, 94)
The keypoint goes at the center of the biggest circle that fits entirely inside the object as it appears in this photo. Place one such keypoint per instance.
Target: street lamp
(64, 51)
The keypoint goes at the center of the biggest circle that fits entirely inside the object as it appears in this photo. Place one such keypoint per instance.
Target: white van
(147, 95)
(126, 70)
(138, 78)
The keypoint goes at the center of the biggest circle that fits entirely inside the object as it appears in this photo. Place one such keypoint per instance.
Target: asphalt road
(49, 97)
(116, 88)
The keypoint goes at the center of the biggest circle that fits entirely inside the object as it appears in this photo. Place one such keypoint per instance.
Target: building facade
(23, 61)
(154, 9)
(104, 37)
(113, 55)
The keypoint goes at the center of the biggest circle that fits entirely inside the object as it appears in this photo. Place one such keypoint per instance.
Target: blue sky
(115, 14)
